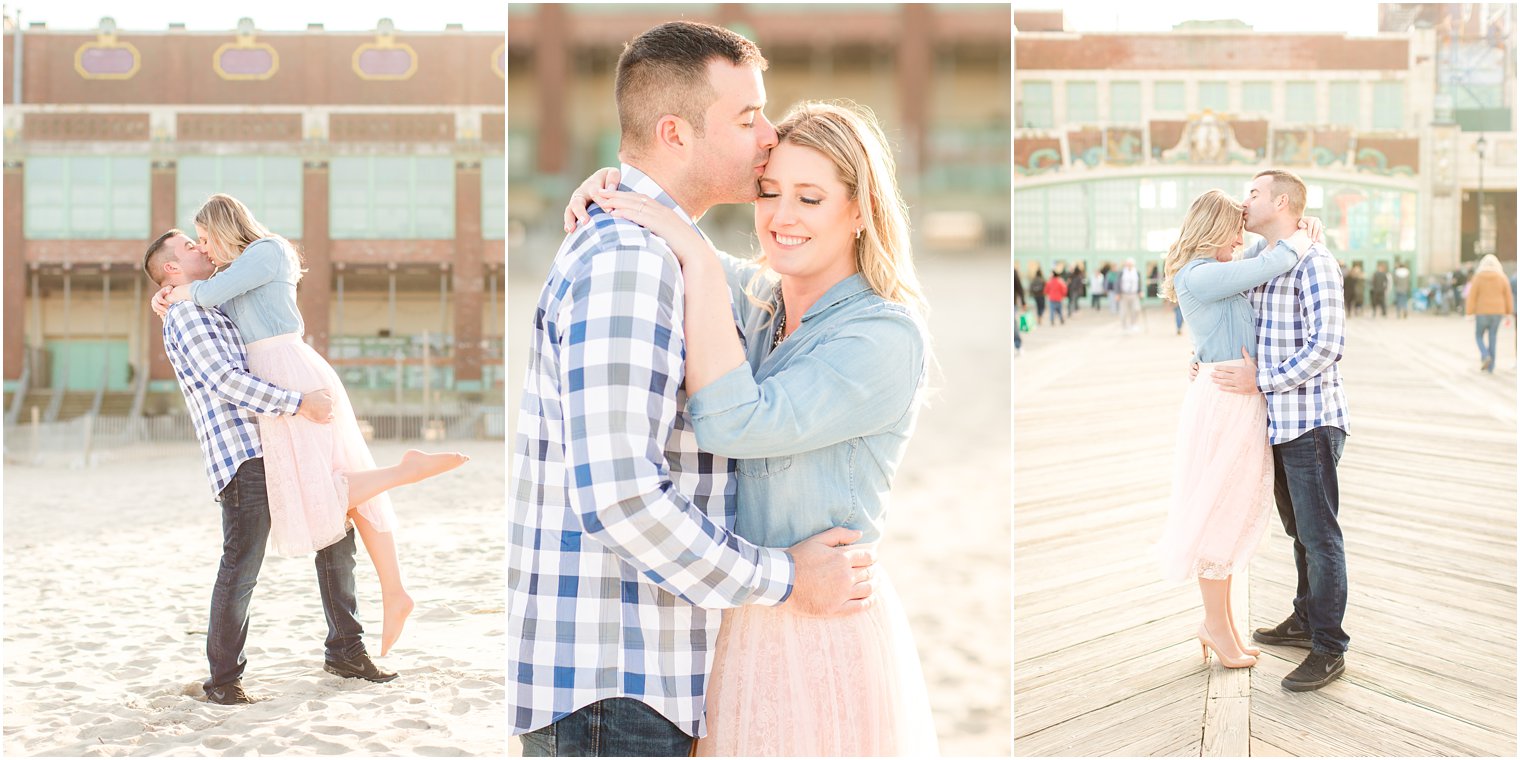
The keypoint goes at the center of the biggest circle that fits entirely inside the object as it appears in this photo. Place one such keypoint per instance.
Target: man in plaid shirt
(621, 550)
(224, 400)
(1300, 336)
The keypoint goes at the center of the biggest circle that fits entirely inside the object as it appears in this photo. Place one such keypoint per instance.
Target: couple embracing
(281, 443)
(1265, 417)
(706, 445)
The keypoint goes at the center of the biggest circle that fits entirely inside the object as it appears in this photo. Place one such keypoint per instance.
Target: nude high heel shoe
(1207, 642)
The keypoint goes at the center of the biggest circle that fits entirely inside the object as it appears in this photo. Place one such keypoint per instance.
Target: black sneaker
(1315, 671)
(358, 667)
(228, 694)
(1287, 633)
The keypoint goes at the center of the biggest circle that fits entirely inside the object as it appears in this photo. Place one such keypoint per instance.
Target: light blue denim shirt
(819, 425)
(1214, 303)
(257, 290)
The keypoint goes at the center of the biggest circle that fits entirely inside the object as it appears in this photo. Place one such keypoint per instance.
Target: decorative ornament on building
(499, 60)
(1207, 139)
(385, 59)
(246, 59)
(1124, 146)
(107, 57)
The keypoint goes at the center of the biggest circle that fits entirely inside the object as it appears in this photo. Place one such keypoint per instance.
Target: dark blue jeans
(1488, 327)
(1308, 501)
(245, 530)
(618, 727)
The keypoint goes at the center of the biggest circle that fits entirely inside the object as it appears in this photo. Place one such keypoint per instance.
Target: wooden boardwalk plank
(1105, 661)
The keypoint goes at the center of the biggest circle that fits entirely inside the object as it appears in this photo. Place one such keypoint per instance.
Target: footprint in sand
(216, 742)
(412, 723)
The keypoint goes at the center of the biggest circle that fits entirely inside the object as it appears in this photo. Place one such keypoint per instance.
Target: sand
(108, 575)
(948, 535)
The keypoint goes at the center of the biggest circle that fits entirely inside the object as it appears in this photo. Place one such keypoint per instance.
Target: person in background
(1380, 281)
(1129, 297)
(1020, 305)
(1076, 288)
(1355, 278)
(1403, 288)
(1055, 294)
(1037, 289)
(1490, 300)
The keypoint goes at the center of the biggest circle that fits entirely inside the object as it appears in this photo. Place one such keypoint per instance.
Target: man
(1129, 297)
(621, 544)
(1403, 288)
(1380, 281)
(209, 362)
(1300, 334)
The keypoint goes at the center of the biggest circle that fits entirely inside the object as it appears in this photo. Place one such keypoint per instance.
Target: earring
(859, 230)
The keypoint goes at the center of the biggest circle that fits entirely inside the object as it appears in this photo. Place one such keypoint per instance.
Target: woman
(1222, 479)
(1055, 295)
(817, 405)
(1037, 289)
(319, 476)
(1489, 300)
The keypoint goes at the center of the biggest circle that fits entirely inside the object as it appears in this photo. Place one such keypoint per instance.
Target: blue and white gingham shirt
(1300, 336)
(224, 399)
(621, 548)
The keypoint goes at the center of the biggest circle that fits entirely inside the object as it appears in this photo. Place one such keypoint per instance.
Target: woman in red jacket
(1055, 293)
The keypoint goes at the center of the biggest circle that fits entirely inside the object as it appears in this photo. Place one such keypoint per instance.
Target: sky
(271, 15)
(1355, 17)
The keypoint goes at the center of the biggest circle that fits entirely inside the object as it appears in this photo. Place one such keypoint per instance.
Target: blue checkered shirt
(1300, 336)
(224, 399)
(621, 548)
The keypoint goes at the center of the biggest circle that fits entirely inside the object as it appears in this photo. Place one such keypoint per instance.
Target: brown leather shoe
(229, 694)
(359, 667)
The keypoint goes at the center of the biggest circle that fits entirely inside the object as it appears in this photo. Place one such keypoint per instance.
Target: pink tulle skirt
(788, 685)
(305, 463)
(1221, 482)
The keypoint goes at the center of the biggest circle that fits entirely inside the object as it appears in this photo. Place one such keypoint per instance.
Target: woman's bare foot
(419, 465)
(397, 607)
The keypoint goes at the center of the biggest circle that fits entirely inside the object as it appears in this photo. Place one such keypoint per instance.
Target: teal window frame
(59, 200)
(1214, 96)
(1388, 105)
(1124, 103)
(420, 208)
(1257, 98)
(1081, 102)
(1170, 96)
(1037, 103)
(1301, 103)
(274, 192)
(493, 198)
(1346, 104)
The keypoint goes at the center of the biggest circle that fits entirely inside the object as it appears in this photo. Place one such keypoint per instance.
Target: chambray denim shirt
(257, 290)
(819, 425)
(1215, 304)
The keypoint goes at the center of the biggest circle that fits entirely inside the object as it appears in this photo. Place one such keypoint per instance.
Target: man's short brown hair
(158, 251)
(664, 71)
(1287, 183)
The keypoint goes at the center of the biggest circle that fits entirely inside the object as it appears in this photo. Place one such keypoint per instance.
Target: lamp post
(1481, 247)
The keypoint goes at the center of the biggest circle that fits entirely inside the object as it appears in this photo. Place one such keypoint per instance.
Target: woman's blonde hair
(1212, 221)
(849, 136)
(230, 226)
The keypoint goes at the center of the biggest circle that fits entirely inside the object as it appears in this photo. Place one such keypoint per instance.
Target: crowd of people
(1058, 295)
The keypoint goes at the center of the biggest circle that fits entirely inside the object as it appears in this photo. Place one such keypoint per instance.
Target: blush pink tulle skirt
(788, 685)
(1221, 485)
(305, 463)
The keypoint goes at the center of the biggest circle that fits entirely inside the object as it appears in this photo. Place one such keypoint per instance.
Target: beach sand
(108, 576)
(948, 536)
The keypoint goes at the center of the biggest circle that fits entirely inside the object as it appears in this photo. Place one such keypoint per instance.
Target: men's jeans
(1488, 327)
(245, 530)
(618, 727)
(1308, 501)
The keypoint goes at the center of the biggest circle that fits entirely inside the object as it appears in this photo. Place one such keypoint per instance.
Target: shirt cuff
(734, 389)
(776, 576)
(292, 402)
(1264, 379)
